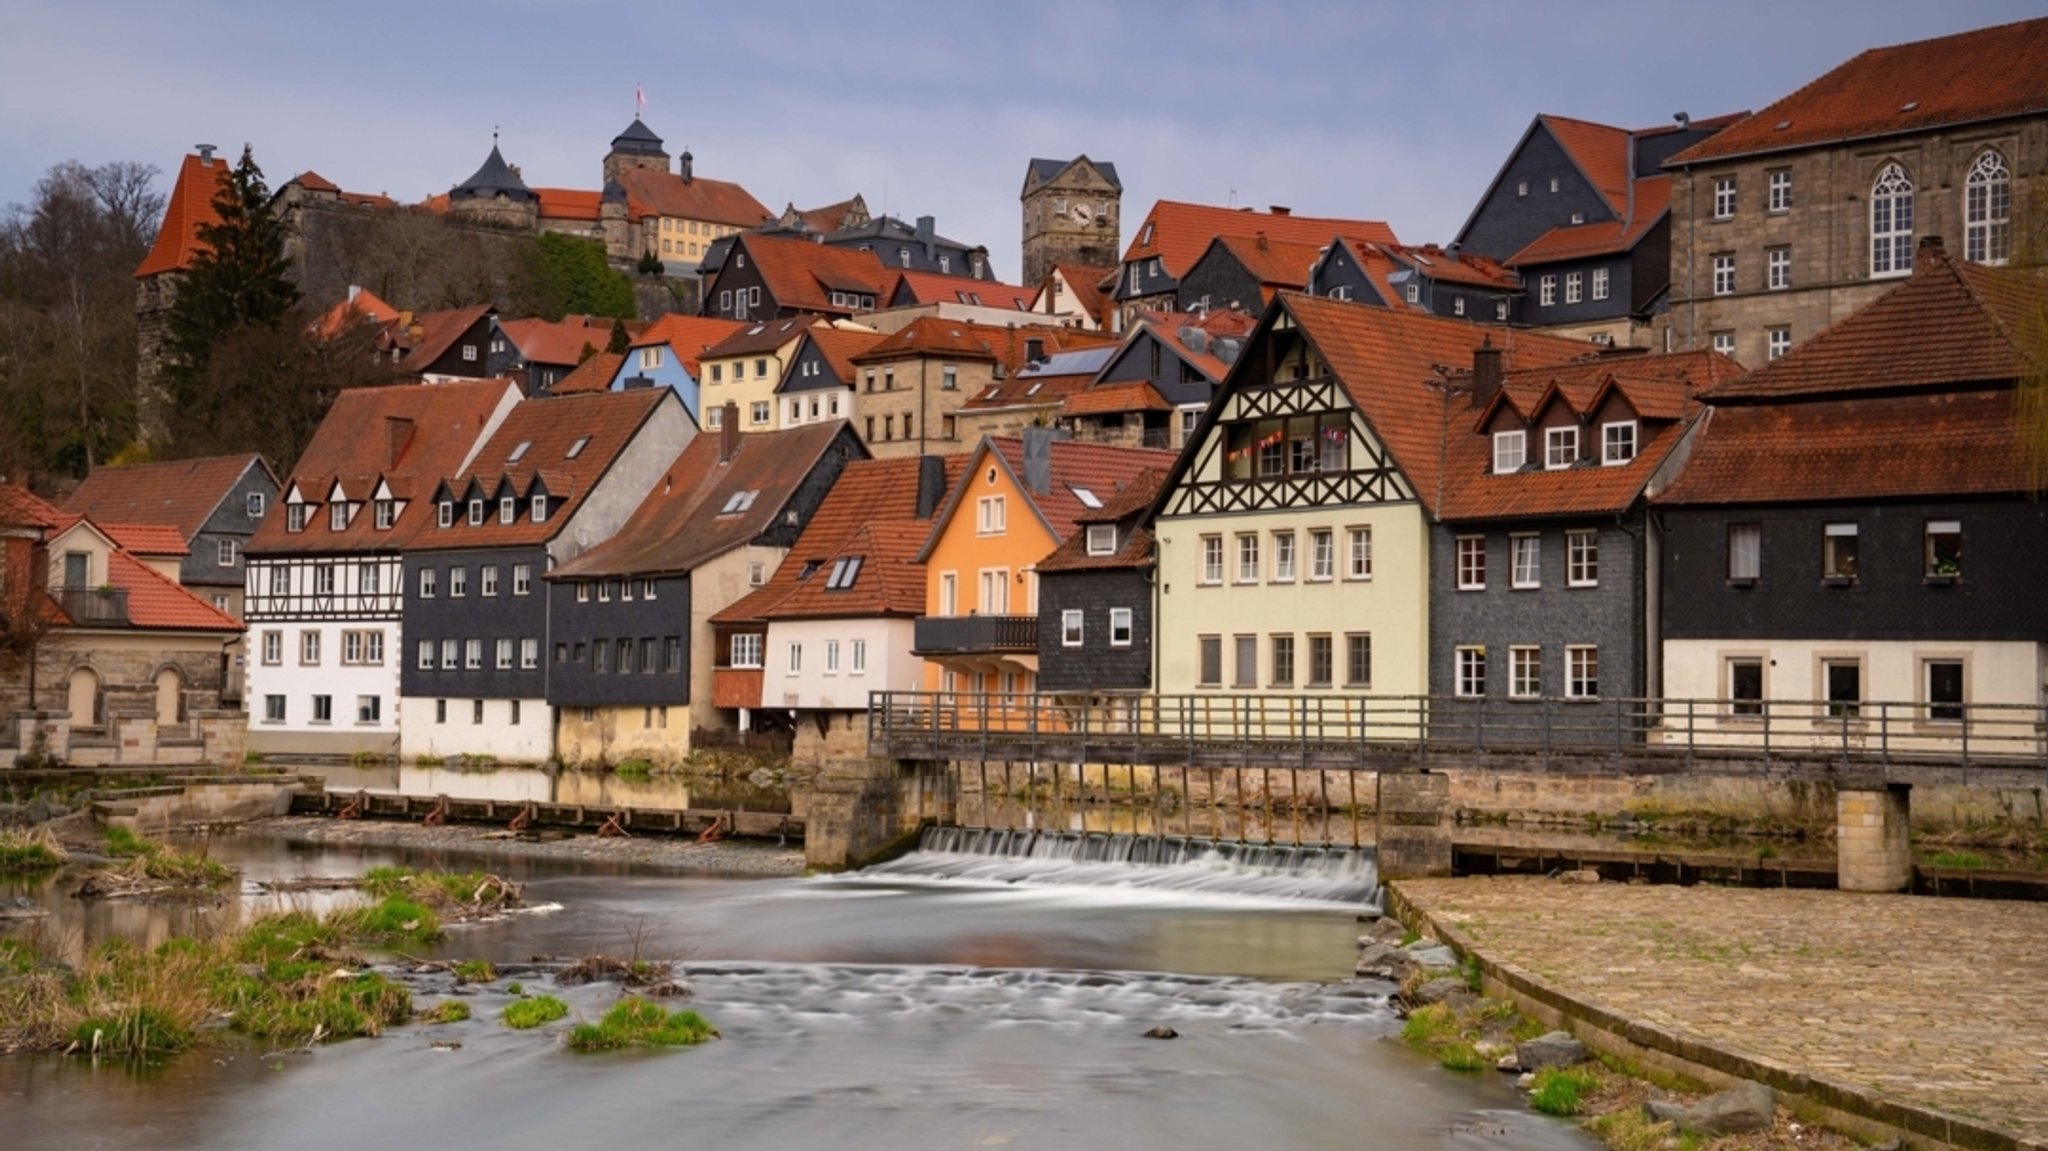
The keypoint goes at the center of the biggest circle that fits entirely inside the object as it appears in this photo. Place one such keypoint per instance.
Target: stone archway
(170, 697)
(84, 697)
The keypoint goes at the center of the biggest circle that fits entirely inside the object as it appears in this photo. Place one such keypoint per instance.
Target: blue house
(665, 356)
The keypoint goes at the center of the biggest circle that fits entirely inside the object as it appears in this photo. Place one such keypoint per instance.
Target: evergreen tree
(237, 280)
(620, 340)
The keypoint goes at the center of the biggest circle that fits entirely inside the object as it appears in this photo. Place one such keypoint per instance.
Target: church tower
(1071, 215)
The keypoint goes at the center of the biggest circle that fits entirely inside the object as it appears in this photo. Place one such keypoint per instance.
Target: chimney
(354, 290)
(931, 485)
(205, 154)
(683, 164)
(1280, 209)
(927, 233)
(1485, 373)
(397, 437)
(1034, 349)
(1929, 255)
(1038, 459)
(728, 432)
(1262, 241)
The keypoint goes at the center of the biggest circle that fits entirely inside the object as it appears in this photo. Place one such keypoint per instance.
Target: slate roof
(662, 193)
(1605, 237)
(493, 178)
(180, 494)
(871, 513)
(186, 209)
(1178, 233)
(1982, 74)
(683, 523)
(1043, 170)
(637, 138)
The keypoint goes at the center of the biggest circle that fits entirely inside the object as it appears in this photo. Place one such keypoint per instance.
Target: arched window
(1987, 210)
(1891, 222)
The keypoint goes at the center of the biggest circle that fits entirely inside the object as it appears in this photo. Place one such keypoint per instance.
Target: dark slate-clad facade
(620, 642)
(514, 612)
(1101, 579)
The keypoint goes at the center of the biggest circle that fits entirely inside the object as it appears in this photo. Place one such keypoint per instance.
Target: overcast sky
(1400, 112)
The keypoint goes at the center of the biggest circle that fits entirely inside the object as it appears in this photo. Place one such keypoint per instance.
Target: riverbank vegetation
(149, 859)
(635, 1022)
(26, 852)
(534, 1011)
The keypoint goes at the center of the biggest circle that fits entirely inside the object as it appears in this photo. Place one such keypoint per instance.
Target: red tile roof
(1984, 74)
(180, 494)
(1085, 283)
(1166, 327)
(1460, 267)
(959, 339)
(409, 435)
(158, 603)
(567, 203)
(762, 336)
(1599, 150)
(1387, 362)
(871, 513)
(659, 193)
(829, 218)
(839, 346)
(1102, 470)
(560, 341)
(1578, 241)
(1111, 399)
(189, 206)
(935, 288)
(20, 507)
(314, 182)
(1027, 392)
(688, 336)
(592, 375)
(426, 337)
(683, 522)
(1179, 233)
(1134, 543)
(154, 540)
(802, 275)
(365, 308)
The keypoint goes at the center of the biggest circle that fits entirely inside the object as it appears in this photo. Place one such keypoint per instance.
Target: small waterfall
(1144, 862)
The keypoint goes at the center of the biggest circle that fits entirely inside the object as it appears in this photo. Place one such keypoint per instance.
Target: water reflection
(516, 785)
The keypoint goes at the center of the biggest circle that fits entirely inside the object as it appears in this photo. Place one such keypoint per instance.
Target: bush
(526, 1014)
(634, 1022)
(1562, 1090)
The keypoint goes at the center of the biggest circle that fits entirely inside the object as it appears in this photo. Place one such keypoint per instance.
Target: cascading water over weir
(1038, 858)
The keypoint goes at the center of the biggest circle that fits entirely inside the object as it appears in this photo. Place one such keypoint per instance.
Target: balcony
(94, 606)
(975, 634)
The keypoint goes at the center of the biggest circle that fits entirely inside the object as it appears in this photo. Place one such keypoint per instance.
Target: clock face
(1081, 213)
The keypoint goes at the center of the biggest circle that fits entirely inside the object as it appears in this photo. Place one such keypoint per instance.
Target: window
(746, 650)
(504, 653)
(1724, 273)
(1283, 557)
(860, 657)
(1574, 287)
(1842, 680)
(309, 648)
(444, 514)
(273, 709)
(369, 708)
(458, 582)
(515, 712)
(1283, 661)
(1322, 557)
(425, 659)
(600, 656)
(1618, 442)
(1358, 557)
(508, 509)
(1581, 671)
(254, 504)
(1120, 627)
(220, 603)
(1247, 671)
(625, 591)
(451, 650)
(1457, 305)
(758, 412)
(1553, 185)
(1471, 671)
(949, 378)
(1582, 558)
(295, 517)
(1526, 570)
(1525, 673)
(1321, 661)
(323, 580)
(1248, 558)
(1101, 539)
(1745, 686)
(1944, 548)
(1414, 292)
(1358, 659)
(1510, 451)
(476, 513)
(273, 647)
(1500, 311)
(1600, 283)
(796, 658)
(647, 589)
(1546, 291)
(280, 580)
(387, 514)
(487, 578)
(1777, 269)
(1212, 559)
(1838, 552)
(1779, 340)
(362, 648)
(1745, 551)
(522, 578)
(323, 709)
(831, 657)
(1070, 627)
(1471, 563)
(476, 712)
(1781, 191)
(1944, 680)
(1209, 660)
(1723, 342)
(672, 654)
(1987, 210)
(473, 654)
(1560, 447)
(1724, 197)
(604, 591)
(650, 656)
(1891, 222)
(337, 516)
(991, 516)
(624, 663)
(224, 553)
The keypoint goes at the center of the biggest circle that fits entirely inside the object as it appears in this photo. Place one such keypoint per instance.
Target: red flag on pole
(639, 98)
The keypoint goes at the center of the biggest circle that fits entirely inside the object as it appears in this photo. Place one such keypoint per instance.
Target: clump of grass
(634, 770)
(516, 988)
(1966, 860)
(446, 892)
(429, 761)
(390, 920)
(446, 1011)
(1562, 1090)
(1628, 1129)
(475, 971)
(635, 1022)
(1427, 1027)
(1461, 1056)
(526, 1014)
(25, 852)
(164, 863)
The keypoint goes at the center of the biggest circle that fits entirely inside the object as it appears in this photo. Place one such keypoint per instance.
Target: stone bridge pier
(865, 811)
(1873, 836)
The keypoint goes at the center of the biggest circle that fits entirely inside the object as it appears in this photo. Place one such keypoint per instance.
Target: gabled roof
(21, 508)
(1275, 264)
(1027, 391)
(1444, 267)
(186, 210)
(936, 288)
(592, 375)
(154, 540)
(683, 522)
(1084, 282)
(959, 339)
(568, 203)
(871, 513)
(803, 275)
(1659, 389)
(1116, 398)
(409, 435)
(1605, 237)
(828, 219)
(1134, 542)
(158, 603)
(560, 342)
(1951, 322)
(314, 182)
(1600, 152)
(1042, 171)
(837, 347)
(427, 336)
(179, 494)
(688, 337)
(1101, 470)
(663, 193)
(536, 442)
(1179, 233)
(1983, 74)
(1174, 330)
(762, 336)
(364, 307)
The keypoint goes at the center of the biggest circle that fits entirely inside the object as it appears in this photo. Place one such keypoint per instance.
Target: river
(923, 1006)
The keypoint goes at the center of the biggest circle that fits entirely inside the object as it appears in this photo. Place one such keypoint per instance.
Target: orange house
(1016, 502)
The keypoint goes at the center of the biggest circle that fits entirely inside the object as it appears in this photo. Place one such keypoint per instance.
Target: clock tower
(1071, 215)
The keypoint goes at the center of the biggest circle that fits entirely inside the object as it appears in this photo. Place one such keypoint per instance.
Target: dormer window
(1618, 442)
(540, 508)
(337, 516)
(1510, 451)
(295, 517)
(1101, 539)
(444, 514)
(1560, 447)
(576, 449)
(508, 509)
(387, 514)
(476, 513)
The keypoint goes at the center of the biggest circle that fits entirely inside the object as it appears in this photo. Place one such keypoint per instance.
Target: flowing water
(993, 994)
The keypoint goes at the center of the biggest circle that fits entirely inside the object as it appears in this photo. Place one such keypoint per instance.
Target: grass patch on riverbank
(446, 1011)
(1563, 1090)
(527, 1014)
(24, 853)
(635, 1022)
(449, 894)
(1963, 860)
(151, 859)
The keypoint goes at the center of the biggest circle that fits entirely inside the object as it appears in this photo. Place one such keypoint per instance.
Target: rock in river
(1554, 1049)
(1743, 1107)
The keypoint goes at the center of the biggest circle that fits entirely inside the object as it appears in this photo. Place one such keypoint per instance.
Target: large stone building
(1071, 215)
(1788, 221)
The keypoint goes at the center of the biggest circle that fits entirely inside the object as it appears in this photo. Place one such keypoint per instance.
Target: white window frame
(1560, 447)
(1577, 683)
(1073, 623)
(1525, 566)
(1724, 197)
(991, 516)
(458, 582)
(1101, 539)
(1322, 555)
(746, 650)
(1987, 209)
(831, 657)
(1777, 341)
(1778, 268)
(1471, 563)
(1286, 564)
(1600, 283)
(1745, 551)
(487, 580)
(1525, 672)
(522, 579)
(1510, 451)
(1891, 222)
(1780, 196)
(860, 658)
(1212, 560)
(1121, 630)
(796, 658)
(1724, 273)
(1469, 672)
(1247, 558)
(1722, 342)
(1618, 442)
(1546, 291)
(1358, 553)
(503, 651)
(1574, 287)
